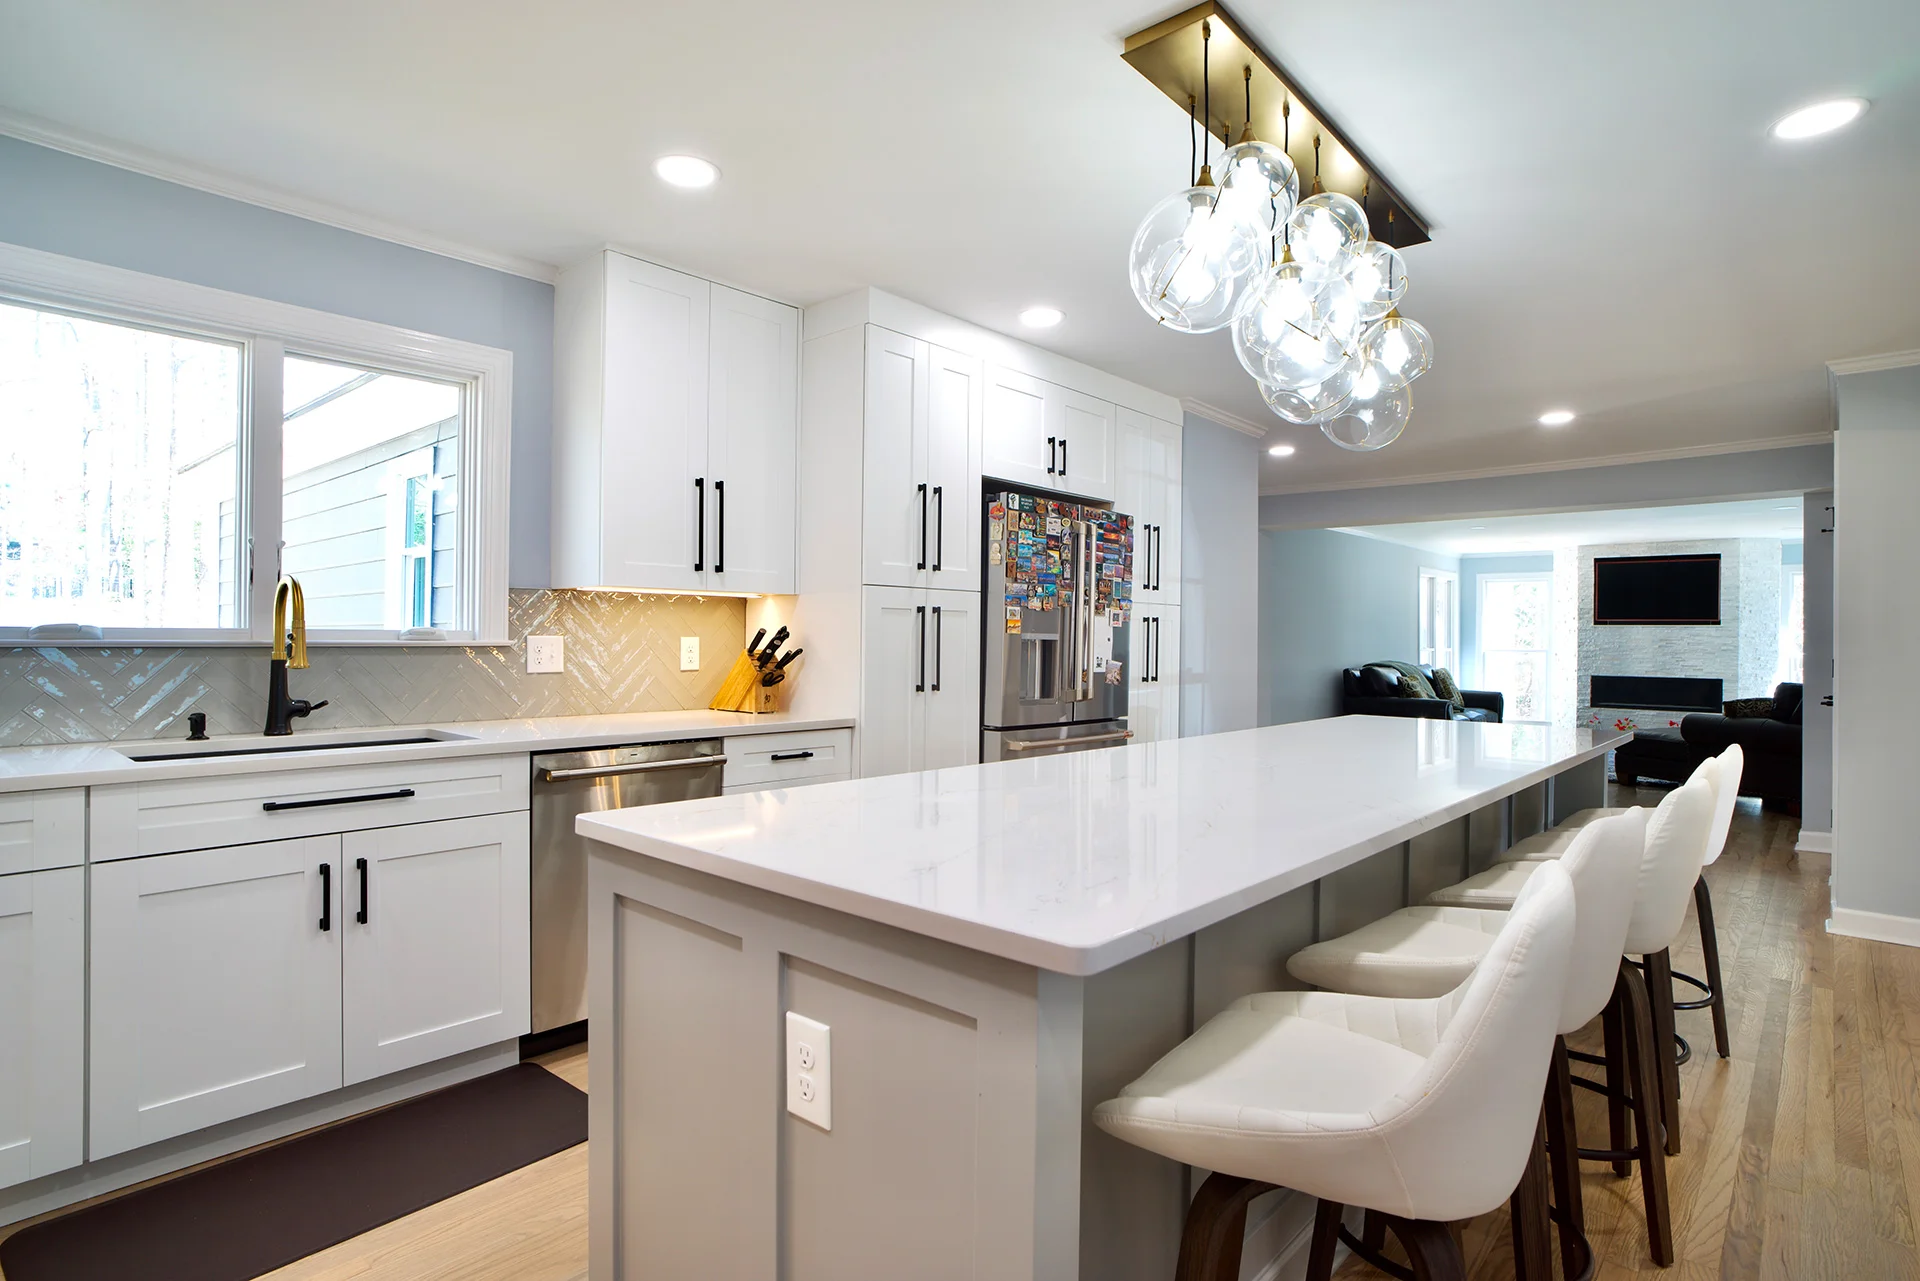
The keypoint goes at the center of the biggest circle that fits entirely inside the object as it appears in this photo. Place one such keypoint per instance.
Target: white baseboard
(1877, 926)
(1814, 842)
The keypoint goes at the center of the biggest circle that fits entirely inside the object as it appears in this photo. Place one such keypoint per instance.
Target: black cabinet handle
(1159, 554)
(1146, 561)
(360, 866)
(326, 896)
(937, 633)
(700, 525)
(939, 527)
(1063, 455)
(1159, 649)
(1053, 442)
(720, 548)
(920, 685)
(398, 794)
(791, 756)
(923, 526)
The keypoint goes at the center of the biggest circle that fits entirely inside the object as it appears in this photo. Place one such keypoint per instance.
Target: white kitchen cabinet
(756, 762)
(1045, 436)
(40, 831)
(920, 696)
(43, 966)
(1149, 491)
(1153, 694)
(921, 504)
(676, 410)
(215, 987)
(434, 950)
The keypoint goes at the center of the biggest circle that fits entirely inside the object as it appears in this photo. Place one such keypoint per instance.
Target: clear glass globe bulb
(1378, 279)
(1324, 233)
(1193, 267)
(1402, 348)
(1282, 304)
(1342, 314)
(1374, 417)
(1259, 185)
(1316, 403)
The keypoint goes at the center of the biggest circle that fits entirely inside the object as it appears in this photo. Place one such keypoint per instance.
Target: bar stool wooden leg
(1659, 989)
(1531, 1215)
(1431, 1249)
(1563, 1153)
(1216, 1225)
(1650, 1051)
(1326, 1239)
(1710, 950)
(1619, 1136)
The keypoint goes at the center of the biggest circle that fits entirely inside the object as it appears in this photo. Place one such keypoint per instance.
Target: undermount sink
(259, 745)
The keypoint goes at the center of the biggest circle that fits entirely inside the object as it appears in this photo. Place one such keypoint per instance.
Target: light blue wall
(1471, 567)
(1330, 600)
(1219, 578)
(1793, 553)
(84, 209)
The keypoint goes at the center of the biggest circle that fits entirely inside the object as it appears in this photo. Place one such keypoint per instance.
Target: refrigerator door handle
(920, 684)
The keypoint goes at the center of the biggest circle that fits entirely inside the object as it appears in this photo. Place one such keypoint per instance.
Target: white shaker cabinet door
(435, 941)
(656, 500)
(894, 637)
(951, 733)
(1148, 487)
(896, 502)
(752, 428)
(43, 967)
(1020, 440)
(1085, 426)
(216, 987)
(956, 387)
(1153, 690)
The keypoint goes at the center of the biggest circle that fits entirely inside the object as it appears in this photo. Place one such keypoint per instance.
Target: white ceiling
(1613, 229)
(1493, 535)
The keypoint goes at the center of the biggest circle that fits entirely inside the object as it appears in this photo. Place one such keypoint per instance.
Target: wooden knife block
(742, 690)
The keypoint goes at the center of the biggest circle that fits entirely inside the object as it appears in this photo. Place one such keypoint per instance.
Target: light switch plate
(689, 653)
(810, 1070)
(546, 654)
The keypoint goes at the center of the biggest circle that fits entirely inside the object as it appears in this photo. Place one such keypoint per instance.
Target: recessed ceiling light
(1040, 317)
(1821, 117)
(686, 171)
(1280, 451)
(1556, 418)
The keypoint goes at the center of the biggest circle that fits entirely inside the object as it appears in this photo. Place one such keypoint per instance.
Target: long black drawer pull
(360, 866)
(791, 756)
(398, 794)
(700, 525)
(720, 527)
(326, 896)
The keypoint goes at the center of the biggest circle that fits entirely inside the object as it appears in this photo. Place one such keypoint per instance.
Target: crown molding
(1570, 464)
(1868, 364)
(45, 133)
(1213, 413)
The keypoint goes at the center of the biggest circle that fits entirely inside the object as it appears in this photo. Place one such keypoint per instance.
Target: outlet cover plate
(689, 653)
(810, 1070)
(546, 654)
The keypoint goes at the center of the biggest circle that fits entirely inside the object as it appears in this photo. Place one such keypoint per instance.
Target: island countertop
(1075, 863)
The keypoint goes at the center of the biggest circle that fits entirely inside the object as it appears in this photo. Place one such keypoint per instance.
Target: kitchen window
(1440, 619)
(166, 451)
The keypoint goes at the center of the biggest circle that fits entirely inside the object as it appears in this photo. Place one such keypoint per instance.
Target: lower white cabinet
(43, 968)
(434, 941)
(920, 689)
(230, 981)
(1153, 701)
(756, 762)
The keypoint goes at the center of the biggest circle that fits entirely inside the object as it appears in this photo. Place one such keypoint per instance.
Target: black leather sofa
(1375, 691)
(1769, 734)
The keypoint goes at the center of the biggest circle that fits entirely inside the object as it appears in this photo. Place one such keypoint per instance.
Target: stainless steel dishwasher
(565, 786)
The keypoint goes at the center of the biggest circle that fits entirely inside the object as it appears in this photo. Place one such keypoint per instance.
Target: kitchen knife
(791, 655)
(779, 639)
(754, 644)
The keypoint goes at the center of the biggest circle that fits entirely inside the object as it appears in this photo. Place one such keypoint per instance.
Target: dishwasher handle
(636, 767)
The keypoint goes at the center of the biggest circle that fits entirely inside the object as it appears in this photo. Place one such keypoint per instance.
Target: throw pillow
(1746, 708)
(1448, 688)
(1408, 689)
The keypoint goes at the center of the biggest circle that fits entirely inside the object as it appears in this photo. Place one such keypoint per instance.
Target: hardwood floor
(1798, 1151)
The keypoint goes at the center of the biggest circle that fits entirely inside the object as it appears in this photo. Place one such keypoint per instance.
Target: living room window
(1515, 613)
(167, 451)
(1440, 619)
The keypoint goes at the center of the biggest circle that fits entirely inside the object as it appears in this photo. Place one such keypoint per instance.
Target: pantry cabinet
(1044, 436)
(1149, 491)
(1153, 694)
(920, 504)
(920, 696)
(674, 435)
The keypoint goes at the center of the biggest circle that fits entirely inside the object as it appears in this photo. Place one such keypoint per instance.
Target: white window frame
(1480, 632)
(268, 331)
(1420, 623)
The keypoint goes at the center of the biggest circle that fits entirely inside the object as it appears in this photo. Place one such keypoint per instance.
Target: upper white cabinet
(920, 517)
(1046, 436)
(1149, 491)
(676, 408)
(43, 1034)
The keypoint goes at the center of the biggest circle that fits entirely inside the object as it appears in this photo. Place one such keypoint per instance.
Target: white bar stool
(1414, 951)
(1419, 1110)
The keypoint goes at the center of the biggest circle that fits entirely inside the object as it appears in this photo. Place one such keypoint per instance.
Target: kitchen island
(995, 949)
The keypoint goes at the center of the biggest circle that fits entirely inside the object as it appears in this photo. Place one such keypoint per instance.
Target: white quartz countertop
(1075, 863)
(94, 764)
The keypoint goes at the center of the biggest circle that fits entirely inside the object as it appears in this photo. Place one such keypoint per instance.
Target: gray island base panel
(996, 949)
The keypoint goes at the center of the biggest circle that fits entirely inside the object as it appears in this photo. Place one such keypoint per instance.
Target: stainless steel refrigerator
(1059, 587)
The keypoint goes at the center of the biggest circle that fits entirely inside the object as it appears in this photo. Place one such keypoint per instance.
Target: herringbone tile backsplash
(623, 655)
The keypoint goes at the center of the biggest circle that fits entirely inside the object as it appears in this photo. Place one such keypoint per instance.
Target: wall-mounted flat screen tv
(1656, 591)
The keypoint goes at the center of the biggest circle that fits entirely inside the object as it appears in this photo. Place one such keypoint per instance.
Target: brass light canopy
(1170, 55)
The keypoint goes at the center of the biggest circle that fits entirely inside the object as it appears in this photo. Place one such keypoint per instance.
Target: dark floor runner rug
(240, 1218)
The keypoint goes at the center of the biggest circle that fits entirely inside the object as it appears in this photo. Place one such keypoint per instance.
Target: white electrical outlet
(689, 653)
(810, 1070)
(546, 654)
